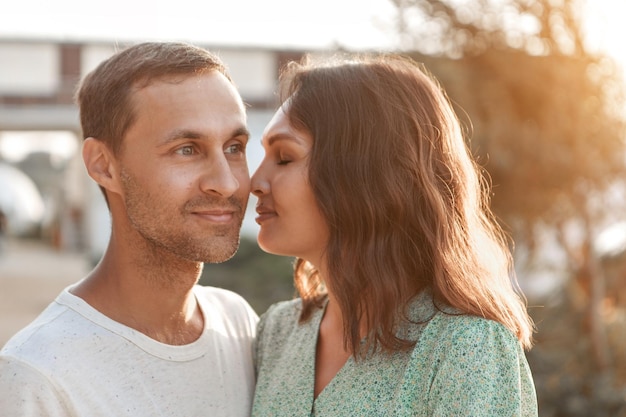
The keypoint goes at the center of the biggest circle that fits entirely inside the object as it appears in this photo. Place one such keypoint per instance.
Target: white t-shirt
(74, 361)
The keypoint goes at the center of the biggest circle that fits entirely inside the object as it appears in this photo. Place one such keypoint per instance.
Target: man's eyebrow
(182, 134)
(192, 134)
(242, 131)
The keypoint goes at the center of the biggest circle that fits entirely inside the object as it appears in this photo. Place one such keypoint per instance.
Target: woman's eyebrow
(280, 137)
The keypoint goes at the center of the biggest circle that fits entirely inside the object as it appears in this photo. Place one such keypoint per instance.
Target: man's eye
(185, 150)
(234, 149)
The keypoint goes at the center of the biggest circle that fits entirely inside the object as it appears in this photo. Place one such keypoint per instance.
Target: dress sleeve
(471, 367)
(25, 392)
(258, 341)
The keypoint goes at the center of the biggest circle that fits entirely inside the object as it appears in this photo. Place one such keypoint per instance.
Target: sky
(318, 23)
(302, 24)
(354, 24)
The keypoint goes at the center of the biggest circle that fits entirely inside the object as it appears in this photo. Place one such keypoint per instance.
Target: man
(165, 140)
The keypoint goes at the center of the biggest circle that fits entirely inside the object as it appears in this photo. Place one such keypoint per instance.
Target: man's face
(183, 168)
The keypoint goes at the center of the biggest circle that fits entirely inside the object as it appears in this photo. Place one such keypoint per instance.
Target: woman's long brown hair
(405, 202)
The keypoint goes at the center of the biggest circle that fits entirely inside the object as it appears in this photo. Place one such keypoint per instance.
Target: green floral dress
(461, 365)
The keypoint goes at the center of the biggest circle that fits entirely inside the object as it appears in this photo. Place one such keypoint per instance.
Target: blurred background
(538, 84)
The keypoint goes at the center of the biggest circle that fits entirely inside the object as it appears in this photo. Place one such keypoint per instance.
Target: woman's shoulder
(468, 327)
(283, 310)
(280, 317)
(441, 322)
(471, 363)
(280, 330)
(459, 337)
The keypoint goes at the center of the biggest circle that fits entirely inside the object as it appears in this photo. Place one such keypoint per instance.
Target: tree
(546, 120)
(462, 27)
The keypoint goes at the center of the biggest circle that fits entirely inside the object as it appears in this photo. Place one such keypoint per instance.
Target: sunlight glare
(15, 146)
(605, 29)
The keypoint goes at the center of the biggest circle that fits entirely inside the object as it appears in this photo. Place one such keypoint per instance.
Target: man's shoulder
(225, 304)
(220, 296)
(46, 337)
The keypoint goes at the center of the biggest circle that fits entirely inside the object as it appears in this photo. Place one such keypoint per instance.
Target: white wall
(254, 72)
(28, 69)
(92, 55)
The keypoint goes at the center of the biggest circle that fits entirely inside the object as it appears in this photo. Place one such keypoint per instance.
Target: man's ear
(100, 164)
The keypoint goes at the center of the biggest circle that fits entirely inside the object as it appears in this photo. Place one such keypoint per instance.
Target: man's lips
(216, 215)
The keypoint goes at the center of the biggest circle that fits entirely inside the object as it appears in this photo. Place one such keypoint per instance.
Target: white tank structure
(20, 201)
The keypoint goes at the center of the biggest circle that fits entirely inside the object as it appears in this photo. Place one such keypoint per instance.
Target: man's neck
(155, 299)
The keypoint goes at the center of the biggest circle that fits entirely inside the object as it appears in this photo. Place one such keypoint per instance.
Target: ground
(32, 274)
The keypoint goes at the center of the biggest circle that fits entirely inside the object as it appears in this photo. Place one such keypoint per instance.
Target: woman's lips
(264, 214)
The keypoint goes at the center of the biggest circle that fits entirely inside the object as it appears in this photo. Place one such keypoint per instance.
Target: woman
(406, 304)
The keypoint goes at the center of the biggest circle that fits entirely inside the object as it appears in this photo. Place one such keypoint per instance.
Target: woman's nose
(258, 183)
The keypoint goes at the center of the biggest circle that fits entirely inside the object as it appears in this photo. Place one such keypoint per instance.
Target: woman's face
(291, 222)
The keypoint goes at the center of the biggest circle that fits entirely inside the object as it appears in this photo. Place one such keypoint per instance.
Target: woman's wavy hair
(406, 204)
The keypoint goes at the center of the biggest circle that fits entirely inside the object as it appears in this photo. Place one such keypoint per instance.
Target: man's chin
(219, 253)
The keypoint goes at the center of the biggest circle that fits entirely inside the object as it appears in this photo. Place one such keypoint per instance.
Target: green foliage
(261, 278)
(544, 127)
(566, 378)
